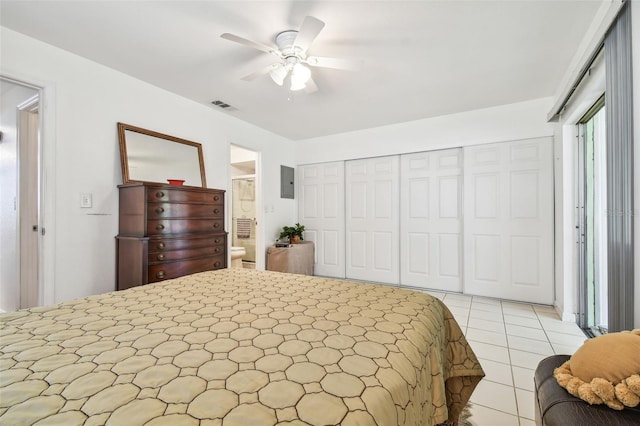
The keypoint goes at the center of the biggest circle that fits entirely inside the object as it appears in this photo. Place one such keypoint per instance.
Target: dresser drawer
(165, 271)
(180, 226)
(184, 196)
(169, 255)
(169, 210)
(159, 244)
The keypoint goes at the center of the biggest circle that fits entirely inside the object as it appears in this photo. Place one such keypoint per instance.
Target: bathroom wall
(244, 207)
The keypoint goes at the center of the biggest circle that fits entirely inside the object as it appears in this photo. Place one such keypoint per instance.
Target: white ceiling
(420, 58)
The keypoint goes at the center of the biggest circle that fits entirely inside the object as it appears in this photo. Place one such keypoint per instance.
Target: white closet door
(431, 220)
(321, 211)
(372, 219)
(508, 224)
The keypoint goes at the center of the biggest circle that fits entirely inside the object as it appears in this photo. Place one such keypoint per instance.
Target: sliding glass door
(592, 221)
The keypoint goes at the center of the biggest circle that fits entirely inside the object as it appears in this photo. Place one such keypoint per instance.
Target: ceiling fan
(293, 59)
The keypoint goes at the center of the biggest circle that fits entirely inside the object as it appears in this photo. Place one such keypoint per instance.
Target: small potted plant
(293, 233)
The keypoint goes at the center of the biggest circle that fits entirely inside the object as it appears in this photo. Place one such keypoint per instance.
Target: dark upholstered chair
(556, 407)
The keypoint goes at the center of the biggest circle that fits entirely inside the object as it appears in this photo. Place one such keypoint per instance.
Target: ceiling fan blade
(335, 63)
(308, 32)
(260, 72)
(311, 86)
(249, 43)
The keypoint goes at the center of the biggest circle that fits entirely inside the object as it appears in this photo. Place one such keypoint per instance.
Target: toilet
(237, 253)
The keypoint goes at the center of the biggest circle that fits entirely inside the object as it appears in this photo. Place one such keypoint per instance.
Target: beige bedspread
(237, 347)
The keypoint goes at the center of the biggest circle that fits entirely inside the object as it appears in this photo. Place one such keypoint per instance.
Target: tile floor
(509, 339)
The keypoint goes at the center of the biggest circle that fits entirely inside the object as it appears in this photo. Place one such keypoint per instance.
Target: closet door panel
(372, 220)
(509, 221)
(321, 211)
(431, 220)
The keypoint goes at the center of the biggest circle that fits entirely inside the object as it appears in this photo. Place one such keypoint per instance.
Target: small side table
(296, 259)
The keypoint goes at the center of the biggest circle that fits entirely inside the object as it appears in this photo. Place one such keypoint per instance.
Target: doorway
(244, 195)
(20, 196)
(592, 221)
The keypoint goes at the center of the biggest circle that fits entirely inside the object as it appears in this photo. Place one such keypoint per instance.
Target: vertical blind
(619, 152)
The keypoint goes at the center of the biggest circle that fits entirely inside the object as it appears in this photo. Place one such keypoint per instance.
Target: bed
(237, 347)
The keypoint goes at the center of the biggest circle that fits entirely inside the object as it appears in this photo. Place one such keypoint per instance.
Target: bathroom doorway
(244, 196)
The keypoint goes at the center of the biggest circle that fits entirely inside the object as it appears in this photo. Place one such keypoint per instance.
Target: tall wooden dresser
(168, 231)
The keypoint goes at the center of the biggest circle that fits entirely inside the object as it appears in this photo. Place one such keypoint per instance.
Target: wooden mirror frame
(127, 177)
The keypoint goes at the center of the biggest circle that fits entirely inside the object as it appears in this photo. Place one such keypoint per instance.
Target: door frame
(47, 182)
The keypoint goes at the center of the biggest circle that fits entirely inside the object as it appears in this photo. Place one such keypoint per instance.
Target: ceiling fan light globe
(278, 74)
(300, 75)
(297, 85)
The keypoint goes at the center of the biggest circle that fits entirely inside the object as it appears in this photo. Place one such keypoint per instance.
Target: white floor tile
(525, 359)
(530, 345)
(566, 339)
(496, 327)
(526, 332)
(497, 372)
(561, 327)
(456, 300)
(435, 294)
(490, 352)
(523, 321)
(494, 395)
(499, 339)
(523, 378)
(559, 349)
(526, 422)
(486, 315)
(526, 404)
(531, 332)
(484, 416)
(460, 314)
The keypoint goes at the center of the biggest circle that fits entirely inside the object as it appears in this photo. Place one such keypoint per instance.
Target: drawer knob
(160, 246)
(161, 256)
(217, 264)
(160, 227)
(216, 250)
(159, 194)
(216, 225)
(217, 240)
(216, 211)
(216, 197)
(159, 210)
(160, 274)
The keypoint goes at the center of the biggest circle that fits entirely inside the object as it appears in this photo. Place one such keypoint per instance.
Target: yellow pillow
(605, 369)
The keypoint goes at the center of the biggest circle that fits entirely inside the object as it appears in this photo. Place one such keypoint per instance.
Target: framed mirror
(149, 156)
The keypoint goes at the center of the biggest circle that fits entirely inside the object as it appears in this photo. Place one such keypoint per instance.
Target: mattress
(237, 347)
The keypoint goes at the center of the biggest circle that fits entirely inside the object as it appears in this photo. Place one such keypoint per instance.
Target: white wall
(521, 120)
(82, 103)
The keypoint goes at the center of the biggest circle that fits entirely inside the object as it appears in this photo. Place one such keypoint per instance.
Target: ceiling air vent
(222, 104)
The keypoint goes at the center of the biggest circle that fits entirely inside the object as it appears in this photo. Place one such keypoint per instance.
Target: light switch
(86, 200)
